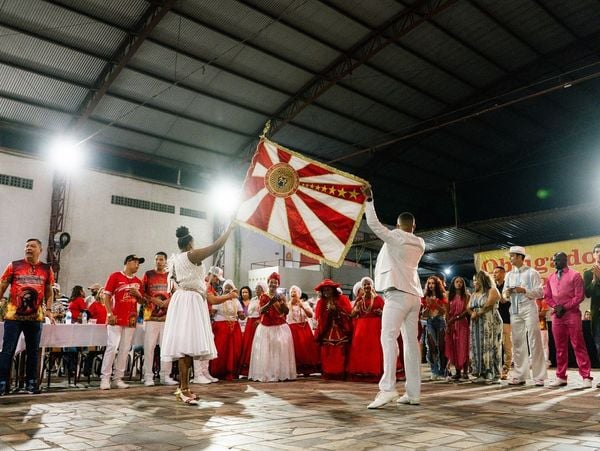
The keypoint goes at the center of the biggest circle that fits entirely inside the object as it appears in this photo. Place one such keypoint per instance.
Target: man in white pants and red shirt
(122, 292)
(522, 286)
(396, 274)
(156, 302)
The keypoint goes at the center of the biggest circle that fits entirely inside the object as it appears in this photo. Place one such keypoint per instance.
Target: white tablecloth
(73, 335)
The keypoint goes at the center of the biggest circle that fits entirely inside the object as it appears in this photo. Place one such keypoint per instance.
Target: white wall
(102, 234)
(24, 213)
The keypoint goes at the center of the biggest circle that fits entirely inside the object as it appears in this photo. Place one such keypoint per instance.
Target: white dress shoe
(104, 384)
(404, 399)
(382, 398)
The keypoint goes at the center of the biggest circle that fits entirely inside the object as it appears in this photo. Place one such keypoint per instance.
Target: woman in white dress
(272, 357)
(188, 334)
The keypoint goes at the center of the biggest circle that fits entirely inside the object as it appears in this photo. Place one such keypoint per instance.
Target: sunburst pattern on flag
(301, 203)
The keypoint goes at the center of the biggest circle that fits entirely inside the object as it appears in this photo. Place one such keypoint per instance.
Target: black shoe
(32, 387)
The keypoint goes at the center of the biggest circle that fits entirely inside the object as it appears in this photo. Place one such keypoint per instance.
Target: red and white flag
(301, 203)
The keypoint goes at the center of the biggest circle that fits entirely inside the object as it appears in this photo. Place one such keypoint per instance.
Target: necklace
(366, 307)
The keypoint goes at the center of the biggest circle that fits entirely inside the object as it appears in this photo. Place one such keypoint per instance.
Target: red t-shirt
(155, 285)
(98, 312)
(124, 305)
(272, 317)
(76, 306)
(27, 289)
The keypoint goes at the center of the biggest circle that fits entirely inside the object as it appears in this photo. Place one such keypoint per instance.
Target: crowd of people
(216, 331)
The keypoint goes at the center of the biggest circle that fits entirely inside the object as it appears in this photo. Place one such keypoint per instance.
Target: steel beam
(365, 49)
(149, 20)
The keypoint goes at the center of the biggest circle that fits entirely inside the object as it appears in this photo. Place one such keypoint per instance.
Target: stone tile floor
(306, 414)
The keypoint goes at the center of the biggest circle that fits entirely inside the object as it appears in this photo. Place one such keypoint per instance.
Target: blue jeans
(32, 330)
(436, 328)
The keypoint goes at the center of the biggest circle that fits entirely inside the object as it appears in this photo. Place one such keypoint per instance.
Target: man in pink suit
(564, 292)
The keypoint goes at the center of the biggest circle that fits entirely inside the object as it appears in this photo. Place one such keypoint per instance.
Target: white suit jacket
(399, 257)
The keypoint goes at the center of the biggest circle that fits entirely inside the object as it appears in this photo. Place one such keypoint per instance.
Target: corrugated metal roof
(22, 112)
(63, 25)
(39, 89)
(51, 58)
(266, 32)
(122, 13)
(427, 106)
(211, 45)
(205, 77)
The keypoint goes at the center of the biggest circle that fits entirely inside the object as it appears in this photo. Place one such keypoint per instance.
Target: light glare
(225, 198)
(65, 154)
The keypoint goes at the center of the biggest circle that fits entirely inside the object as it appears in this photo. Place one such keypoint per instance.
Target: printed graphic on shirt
(27, 289)
(155, 285)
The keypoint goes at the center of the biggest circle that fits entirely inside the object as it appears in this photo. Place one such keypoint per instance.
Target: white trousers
(119, 339)
(153, 331)
(401, 315)
(526, 328)
(201, 367)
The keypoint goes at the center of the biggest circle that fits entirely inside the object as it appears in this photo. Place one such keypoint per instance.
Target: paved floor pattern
(306, 414)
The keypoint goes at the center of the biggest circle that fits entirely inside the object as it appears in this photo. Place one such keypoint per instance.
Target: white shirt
(399, 257)
(524, 277)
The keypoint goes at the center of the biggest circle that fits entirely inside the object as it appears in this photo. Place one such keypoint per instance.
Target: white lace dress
(187, 327)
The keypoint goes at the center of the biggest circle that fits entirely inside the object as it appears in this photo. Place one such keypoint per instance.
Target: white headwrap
(297, 288)
(230, 283)
(369, 279)
(263, 285)
(357, 286)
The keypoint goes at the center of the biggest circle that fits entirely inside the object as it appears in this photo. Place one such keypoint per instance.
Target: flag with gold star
(301, 203)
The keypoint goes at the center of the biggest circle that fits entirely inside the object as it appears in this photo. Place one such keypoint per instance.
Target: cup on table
(92, 321)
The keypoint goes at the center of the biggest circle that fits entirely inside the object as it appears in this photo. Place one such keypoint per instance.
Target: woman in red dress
(334, 329)
(252, 320)
(457, 328)
(228, 336)
(305, 347)
(365, 362)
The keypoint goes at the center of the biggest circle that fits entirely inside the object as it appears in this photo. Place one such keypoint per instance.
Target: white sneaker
(104, 384)
(382, 398)
(149, 383)
(210, 378)
(168, 381)
(200, 379)
(404, 399)
(587, 383)
(120, 384)
(558, 382)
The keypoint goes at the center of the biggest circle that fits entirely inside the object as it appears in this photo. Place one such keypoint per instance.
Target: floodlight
(65, 153)
(224, 197)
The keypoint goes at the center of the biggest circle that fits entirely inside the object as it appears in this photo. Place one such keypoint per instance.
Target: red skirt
(365, 359)
(228, 341)
(249, 332)
(305, 348)
(333, 361)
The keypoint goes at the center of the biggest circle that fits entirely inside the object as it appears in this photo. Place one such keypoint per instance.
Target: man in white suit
(396, 274)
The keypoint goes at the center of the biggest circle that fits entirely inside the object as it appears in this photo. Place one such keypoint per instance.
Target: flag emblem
(301, 203)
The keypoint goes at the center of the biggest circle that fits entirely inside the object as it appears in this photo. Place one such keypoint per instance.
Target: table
(73, 336)
(68, 336)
